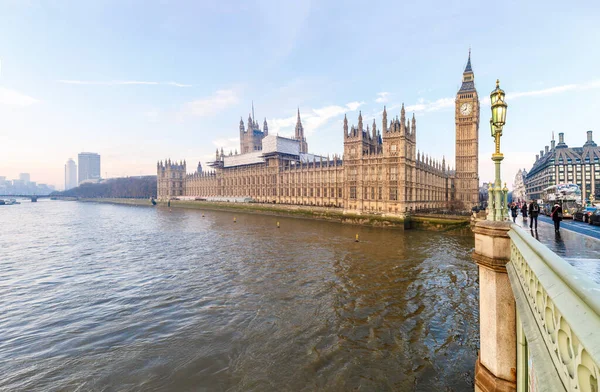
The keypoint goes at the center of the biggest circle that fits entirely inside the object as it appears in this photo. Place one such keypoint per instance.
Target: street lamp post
(498, 208)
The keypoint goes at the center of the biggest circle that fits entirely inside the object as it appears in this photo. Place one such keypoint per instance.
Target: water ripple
(104, 298)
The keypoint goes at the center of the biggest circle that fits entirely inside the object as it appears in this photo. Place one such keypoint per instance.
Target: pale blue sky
(68, 67)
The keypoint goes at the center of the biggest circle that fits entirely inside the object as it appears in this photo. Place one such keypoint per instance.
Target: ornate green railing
(558, 319)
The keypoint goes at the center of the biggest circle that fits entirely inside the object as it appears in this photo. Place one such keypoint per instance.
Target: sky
(140, 81)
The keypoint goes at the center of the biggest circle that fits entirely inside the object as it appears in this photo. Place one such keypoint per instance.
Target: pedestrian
(524, 211)
(534, 211)
(514, 211)
(556, 215)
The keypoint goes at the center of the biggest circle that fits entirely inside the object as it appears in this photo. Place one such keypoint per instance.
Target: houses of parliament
(380, 171)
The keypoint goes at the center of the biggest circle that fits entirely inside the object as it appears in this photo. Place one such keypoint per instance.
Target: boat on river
(10, 202)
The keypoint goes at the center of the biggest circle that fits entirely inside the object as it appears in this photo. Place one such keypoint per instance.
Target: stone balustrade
(558, 319)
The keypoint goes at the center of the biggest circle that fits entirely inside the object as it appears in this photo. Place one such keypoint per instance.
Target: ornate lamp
(498, 199)
(498, 106)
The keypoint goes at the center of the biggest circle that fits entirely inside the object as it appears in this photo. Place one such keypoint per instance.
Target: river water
(118, 298)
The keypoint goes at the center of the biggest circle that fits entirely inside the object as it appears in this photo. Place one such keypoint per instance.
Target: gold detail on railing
(575, 366)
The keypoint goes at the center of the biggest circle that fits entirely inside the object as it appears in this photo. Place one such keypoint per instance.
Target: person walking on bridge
(556, 216)
(524, 212)
(534, 211)
(514, 211)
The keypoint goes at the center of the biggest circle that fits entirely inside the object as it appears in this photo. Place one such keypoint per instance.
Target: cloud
(548, 91)
(382, 97)
(15, 98)
(228, 144)
(121, 82)
(311, 120)
(209, 106)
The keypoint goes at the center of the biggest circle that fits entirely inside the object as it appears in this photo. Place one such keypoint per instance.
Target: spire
(299, 129)
(468, 67)
(345, 126)
(384, 121)
(299, 133)
(241, 124)
(250, 122)
(254, 118)
(265, 127)
(360, 122)
(374, 130)
(468, 79)
(403, 120)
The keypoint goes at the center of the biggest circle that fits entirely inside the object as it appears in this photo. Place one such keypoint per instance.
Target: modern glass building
(70, 174)
(89, 166)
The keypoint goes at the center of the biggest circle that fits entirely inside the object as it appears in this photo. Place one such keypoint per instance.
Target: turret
(402, 114)
(266, 127)
(360, 122)
(199, 169)
(384, 121)
(241, 126)
(250, 123)
(414, 127)
(374, 130)
(345, 127)
(402, 119)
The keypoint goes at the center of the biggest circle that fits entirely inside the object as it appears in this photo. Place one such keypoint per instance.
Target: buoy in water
(356, 240)
(234, 219)
(278, 225)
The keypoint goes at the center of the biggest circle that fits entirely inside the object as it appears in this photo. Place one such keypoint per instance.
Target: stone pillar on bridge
(496, 365)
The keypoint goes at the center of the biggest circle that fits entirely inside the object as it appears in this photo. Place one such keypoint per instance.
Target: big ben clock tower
(467, 140)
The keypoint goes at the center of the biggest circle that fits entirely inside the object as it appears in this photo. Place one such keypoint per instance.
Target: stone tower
(251, 138)
(467, 140)
(299, 134)
(171, 177)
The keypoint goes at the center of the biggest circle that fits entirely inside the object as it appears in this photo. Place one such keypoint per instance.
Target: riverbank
(420, 222)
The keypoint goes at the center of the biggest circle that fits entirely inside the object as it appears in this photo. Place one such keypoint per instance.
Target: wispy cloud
(382, 97)
(15, 98)
(228, 144)
(121, 82)
(548, 91)
(311, 120)
(209, 106)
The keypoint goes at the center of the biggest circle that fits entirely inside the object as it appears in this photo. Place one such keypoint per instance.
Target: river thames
(118, 298)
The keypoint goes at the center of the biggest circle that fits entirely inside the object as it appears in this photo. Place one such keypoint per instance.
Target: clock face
(465, 109)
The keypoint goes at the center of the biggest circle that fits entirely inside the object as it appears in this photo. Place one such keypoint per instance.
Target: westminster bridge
(539, 315)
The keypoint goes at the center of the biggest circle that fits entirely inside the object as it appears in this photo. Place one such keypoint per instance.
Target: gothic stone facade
(467, 140)
(381, 171)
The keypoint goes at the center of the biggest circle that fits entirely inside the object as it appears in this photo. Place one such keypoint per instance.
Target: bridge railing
(558, 319)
